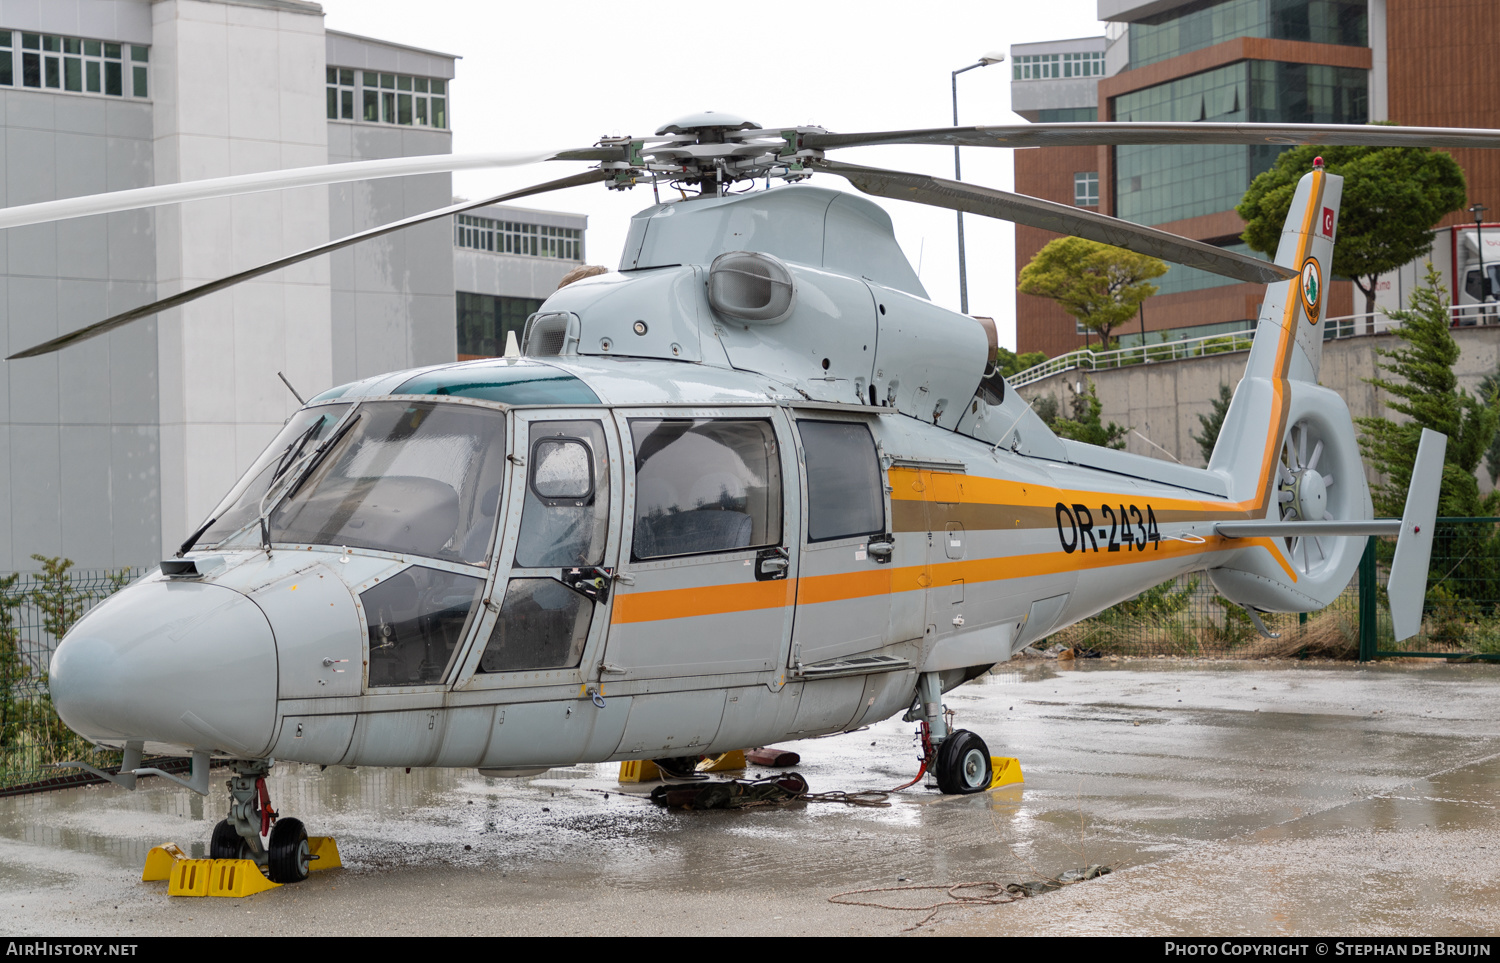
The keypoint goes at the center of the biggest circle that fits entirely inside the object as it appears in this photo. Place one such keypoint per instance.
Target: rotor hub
(1309, 496)
(708, 126)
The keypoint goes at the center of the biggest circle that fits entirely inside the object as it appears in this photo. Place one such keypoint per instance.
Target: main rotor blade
(193, 294)
(1051, 216)
(1126, 133)
(280, 180)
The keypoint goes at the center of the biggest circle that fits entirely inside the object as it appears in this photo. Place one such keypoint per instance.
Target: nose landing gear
(288, 854)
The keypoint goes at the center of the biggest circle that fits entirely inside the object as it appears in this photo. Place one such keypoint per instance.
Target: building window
(511, 237)
(74, 65)
(1195, 26)
(1086, 188)
(1059, 66)
(378, 98)
(1158, 184)
(340, 93)
(484, 320)
(1067, 115)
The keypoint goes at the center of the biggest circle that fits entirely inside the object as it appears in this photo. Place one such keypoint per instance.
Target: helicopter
(751, 485)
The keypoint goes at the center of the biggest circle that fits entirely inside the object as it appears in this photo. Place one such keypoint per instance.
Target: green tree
(1085, 424)
(1392, 198)
(1212, 422)
(13, 668)
(1489, 388)
(1100, 285)
(1009, 364)
(1425, 389)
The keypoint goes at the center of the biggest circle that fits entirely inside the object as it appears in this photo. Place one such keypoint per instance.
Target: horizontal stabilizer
(1268, 528)
(1407, 587)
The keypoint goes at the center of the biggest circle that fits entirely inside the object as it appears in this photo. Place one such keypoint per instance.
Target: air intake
(546, 335)
(751, 287)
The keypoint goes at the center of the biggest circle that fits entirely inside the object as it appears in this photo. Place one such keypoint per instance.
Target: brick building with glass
(1415, 62)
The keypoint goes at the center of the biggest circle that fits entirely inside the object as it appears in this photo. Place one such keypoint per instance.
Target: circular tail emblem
(1312, 288)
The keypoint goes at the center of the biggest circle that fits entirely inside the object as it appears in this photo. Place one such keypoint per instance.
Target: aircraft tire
(225, 842)
(290, 858)
(963, 764)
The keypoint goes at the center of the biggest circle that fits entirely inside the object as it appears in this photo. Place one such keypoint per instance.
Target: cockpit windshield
(304, 431)
(421, 478)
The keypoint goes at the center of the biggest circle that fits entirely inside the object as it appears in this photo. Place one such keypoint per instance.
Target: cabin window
(705, 485)
(421, 478)
(543, 624)
(1474, 283)
(845, 496)
(567, 496)
(417, 618)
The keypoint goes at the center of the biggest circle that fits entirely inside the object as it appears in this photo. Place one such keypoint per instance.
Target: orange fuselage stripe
(729, 599)
(998, 493)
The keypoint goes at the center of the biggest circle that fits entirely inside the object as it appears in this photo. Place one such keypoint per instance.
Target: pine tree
(1465, 559)
(1428, 394)
(1086, 426)
(1212, 422)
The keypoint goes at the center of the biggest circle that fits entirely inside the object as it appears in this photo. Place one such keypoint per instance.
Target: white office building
(113, 450)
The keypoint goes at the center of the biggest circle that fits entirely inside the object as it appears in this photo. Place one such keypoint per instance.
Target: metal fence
(35, 611)
(1185, 617)
(1334, 329)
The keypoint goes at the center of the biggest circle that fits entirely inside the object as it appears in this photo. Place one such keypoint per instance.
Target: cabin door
(555, 553)
(843, 588)
(707, 582)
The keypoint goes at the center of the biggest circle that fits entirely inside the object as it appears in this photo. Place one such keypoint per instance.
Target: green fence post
(1367, 646)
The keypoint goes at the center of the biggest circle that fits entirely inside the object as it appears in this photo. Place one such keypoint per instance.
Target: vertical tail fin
(1288, 345)
(1287, 449)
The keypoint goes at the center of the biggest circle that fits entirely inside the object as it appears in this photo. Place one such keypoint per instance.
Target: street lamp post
(993, 57)
(1484, 277)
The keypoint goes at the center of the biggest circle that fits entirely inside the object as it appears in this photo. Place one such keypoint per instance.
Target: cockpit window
(418, 478)
(567, 496)
(302, 434)
(417, 619)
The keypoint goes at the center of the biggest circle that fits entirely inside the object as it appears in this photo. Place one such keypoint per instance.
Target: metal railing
(1334, 329)
(1091, 360)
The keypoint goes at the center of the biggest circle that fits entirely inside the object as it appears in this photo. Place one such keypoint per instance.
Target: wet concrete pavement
(1232, 798)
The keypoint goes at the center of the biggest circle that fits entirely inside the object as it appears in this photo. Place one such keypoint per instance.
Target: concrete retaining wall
(1162, 400)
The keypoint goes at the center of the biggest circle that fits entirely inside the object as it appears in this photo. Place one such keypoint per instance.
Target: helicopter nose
(185, 664)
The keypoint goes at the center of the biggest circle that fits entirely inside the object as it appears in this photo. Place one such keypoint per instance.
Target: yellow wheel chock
(644, 770)
(224, 877)
(1007, 770)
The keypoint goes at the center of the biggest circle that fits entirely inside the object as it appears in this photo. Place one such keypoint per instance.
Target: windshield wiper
(316, 458)
(289, 457)
(192, 539)
(310, 462)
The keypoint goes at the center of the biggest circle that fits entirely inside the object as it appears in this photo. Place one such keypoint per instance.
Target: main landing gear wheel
(290, 856)
(225, 842)
(963, 764)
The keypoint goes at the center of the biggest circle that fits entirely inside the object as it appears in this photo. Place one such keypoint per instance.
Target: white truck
(1456, 254)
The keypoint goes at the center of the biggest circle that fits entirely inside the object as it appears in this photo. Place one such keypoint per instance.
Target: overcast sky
(552, 75)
